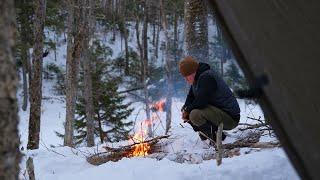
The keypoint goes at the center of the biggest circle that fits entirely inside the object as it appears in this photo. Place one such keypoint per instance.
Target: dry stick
(30, 168)
(159, 122)
(219, 144)
(251, 126)
(50, 150)
(259, 119)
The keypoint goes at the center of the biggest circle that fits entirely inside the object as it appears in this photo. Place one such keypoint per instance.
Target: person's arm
(189, 100)
(206, 87)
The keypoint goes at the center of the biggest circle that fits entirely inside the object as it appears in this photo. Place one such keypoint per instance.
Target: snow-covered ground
(52, 161)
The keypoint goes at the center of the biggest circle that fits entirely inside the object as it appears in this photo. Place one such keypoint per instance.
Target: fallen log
(250, 144)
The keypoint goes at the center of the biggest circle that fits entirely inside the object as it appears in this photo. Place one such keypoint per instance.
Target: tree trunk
(157, 41)
(125, 34)
(219, 144)
(222, 48)
(126, 47)
(154, 35)
(88, 96)
(24, 60)
(36, 77)
(175, 36)
(196, 29)
(100, 128)
(145, 36)
(145, 64)
(143, 69)
(168, 60)
(74, 48)
(9, 138)
(30, 168)
(140, 49)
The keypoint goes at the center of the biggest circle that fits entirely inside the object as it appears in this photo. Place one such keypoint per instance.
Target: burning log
(116, 154)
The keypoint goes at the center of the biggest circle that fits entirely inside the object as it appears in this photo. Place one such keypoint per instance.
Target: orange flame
(159, 106)
(142, 148)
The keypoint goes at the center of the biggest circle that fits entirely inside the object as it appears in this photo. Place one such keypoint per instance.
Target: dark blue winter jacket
(209, 88)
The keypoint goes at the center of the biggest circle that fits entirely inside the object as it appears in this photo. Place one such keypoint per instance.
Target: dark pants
(213, 115)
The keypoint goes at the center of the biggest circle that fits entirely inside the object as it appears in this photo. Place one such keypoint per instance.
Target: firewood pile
(115, 154)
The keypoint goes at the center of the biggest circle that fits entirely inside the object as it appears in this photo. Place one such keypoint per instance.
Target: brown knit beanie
(188, 65)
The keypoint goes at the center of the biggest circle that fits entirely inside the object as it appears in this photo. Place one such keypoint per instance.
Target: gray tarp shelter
(281, 39)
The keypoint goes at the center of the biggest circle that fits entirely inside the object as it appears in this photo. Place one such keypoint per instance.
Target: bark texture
(9, 139)
(74, 53)
(36, 75)
(87, 74)
(168, 67)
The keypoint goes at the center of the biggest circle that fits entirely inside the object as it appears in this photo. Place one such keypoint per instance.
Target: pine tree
(110, 111)
(233, 77)
(196, 29)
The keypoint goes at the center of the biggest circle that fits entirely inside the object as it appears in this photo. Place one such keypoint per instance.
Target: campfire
(140, 144)
(141, 147)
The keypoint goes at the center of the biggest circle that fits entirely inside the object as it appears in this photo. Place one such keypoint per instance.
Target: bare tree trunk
(24, 59)
(100, 128)
(146, 65)
(196, 29)
(30, 168)
(126, 47)
(9, 138)
(74, 49)
(88, 96)
(36, 77)
(145, 36)
(125, 34)
(175, 36)
(139, 47)
(222, 50)
(168, 60)
(157, 41)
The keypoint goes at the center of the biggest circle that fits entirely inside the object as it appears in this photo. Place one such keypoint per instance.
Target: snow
(267, 164)
(59, 163)
(52, 161)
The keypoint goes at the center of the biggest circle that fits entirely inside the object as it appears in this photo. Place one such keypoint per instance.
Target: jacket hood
(202, 68)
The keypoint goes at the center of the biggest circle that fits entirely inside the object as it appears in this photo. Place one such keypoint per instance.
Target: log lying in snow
(115, 154)
(250, 144)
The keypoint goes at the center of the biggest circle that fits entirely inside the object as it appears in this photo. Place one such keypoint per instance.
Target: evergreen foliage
(110, 109)
(234, 79)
